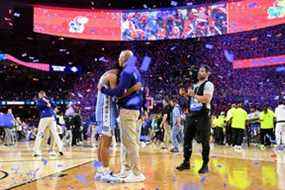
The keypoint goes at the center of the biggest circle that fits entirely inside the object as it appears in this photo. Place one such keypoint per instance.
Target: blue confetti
(173, 48)
(44, 161)
(209, 46)
(190, 187)
(173, 3)
(252, 5)
(97, 164)
(82, 179)
(145, 64)
(280, 69)
(229, 56)
(17, 14)
(202, 179)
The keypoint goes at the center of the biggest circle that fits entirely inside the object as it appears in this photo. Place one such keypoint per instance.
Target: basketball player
(198, 121)
(106, 116)
(130, 107)
(48, 120)
(280, 125)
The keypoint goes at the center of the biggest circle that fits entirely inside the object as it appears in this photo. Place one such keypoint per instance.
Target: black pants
(228, 134)
(266, 135)
(237, 136)
(117, 134)
(76, 135)
(199, 127)
(219, 135)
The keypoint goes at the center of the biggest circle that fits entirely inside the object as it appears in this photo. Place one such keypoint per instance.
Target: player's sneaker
(109, 178)
(132, 178)
(123, 173)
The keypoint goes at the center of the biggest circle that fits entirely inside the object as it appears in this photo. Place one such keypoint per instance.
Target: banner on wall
(259, 62)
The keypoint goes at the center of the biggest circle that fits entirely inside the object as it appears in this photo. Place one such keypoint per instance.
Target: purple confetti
(173, 3)
(145, 64)
(252, 5)
(202, 179)
(44, 161)
(209, 46)
(190, 186)
(97, 164)
(229, 56)
(82, 179)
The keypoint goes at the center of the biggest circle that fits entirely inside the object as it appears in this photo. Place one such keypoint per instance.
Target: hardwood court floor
(250, 169)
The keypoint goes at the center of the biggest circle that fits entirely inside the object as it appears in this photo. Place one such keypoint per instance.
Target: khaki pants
(130, 139)
(167, 134)
(51, 124)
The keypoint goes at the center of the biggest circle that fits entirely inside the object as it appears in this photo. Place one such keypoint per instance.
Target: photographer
(198, 120)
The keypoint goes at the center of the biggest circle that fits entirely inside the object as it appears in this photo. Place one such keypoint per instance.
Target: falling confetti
(202, 179)
(209, 46)
(44, 161)
(97, 164)
(82, 179)
(173, 3)
(145, 64)
(229, 55)
(252, 5)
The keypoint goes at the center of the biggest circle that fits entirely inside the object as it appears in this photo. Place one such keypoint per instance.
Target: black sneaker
(61, 153)
(204, 170)
(183, 166)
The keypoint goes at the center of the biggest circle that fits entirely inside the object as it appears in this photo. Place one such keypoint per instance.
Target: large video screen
(76, 23)
(159, 24)
(248, 15)
(175, 23)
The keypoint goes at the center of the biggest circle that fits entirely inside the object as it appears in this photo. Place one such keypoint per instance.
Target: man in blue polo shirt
(130, 107)
(47, 115)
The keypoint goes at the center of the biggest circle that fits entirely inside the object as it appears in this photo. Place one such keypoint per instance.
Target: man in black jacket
(198, 120)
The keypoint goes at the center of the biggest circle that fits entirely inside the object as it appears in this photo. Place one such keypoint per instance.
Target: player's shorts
(106, 114)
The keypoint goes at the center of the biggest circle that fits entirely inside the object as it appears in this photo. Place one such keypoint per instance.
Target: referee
(198, 120)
